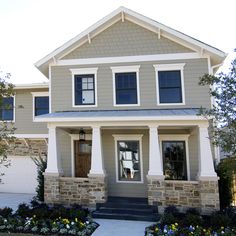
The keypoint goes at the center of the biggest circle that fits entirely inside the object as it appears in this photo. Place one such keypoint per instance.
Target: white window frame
(39, 94)
(84, 71)
(170, 67)
(176, 137)
(128, 137)
(123, 69)
(14, 111)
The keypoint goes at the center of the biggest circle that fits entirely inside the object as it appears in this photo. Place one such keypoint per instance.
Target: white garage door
(20, 176)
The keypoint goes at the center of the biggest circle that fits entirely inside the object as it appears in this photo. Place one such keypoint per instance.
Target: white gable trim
(138, 19)
(109, 60)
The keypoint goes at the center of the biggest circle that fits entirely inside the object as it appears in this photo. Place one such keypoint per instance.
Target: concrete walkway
(120, 227)
(12, 200)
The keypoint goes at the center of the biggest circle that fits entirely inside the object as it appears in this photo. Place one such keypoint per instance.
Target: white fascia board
(33, 136)
(31, 86)
(137, 16)
(127, 118)
(78, 37)
(174, 32)
(125, 59)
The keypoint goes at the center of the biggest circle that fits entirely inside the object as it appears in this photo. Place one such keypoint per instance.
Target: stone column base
(51, 188)
(209, 195)
(156, 192)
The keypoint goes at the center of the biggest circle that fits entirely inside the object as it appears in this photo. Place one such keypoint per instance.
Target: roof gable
(122, 14)
(125, 39)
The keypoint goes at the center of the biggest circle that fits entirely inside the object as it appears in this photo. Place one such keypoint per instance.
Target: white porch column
(206, 166)
(155, 160)
(53, 160)
(97, 166)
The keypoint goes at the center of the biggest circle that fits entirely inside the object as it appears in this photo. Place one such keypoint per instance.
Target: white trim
(38, 94)
(129, 137)
(31, 136)
(138, 19)
(120, 118)
(50, 88)
(177, 137)
(140, 58)
(83, 71)
(123, 69)
(169, 67)
(31, 86)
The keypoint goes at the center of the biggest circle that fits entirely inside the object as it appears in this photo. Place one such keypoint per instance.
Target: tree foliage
(6, 128)
(41, 163)
(223, 90)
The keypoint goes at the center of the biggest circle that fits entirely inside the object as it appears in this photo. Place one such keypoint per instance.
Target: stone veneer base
(70, 190)
(202, 195)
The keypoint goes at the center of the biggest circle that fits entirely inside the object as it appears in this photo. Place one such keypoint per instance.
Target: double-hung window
(7, 109)
(126, 85)
(40, 103)
(170, 84)
(84, 87)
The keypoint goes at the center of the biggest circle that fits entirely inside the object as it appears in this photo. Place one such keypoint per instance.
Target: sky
(31, 29)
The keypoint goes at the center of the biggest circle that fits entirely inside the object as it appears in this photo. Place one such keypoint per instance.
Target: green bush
(168, 219)
(172, 209)
(6, 212)
(192, 219)
(219, 219)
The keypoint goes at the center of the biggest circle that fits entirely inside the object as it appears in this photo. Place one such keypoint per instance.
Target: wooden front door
(82, 157)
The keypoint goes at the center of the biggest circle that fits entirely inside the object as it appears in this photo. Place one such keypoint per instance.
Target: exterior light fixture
(81, 135)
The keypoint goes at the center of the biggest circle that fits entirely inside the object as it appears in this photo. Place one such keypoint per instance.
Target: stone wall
(69, 190)
(209, 195)
(202, 195)
(27, 147)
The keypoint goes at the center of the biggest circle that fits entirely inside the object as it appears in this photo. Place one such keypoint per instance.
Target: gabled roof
(217, 56)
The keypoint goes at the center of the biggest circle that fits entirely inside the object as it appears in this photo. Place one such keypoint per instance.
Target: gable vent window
(7, 109)
(170, 84)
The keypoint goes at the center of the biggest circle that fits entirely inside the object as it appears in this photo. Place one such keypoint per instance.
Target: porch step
(126, 209)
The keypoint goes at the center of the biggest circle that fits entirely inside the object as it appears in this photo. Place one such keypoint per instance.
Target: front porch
(194, 184)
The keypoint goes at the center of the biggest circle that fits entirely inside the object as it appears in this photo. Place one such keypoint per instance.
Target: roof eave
(43, 63)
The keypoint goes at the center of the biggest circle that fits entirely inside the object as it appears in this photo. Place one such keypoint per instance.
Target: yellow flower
(76, 220)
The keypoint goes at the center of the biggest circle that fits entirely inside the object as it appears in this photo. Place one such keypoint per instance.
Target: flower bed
(44, 219)
(192, 223)
(175, 229)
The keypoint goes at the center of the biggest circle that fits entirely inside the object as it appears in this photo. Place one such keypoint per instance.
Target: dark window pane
(7, 109)
(170, 95)
(174, 160)
(41, 105)
(126, 88)
(170, 90)
(84, 90)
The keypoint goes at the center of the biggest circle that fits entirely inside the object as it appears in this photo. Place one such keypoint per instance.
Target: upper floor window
(84, 87)
(40, 103)
(84, 90)
(41, 106)
(7, 109)
(170, 84)
(126, 85)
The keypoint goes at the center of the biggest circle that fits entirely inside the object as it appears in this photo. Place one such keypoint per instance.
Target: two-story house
(123, 105)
